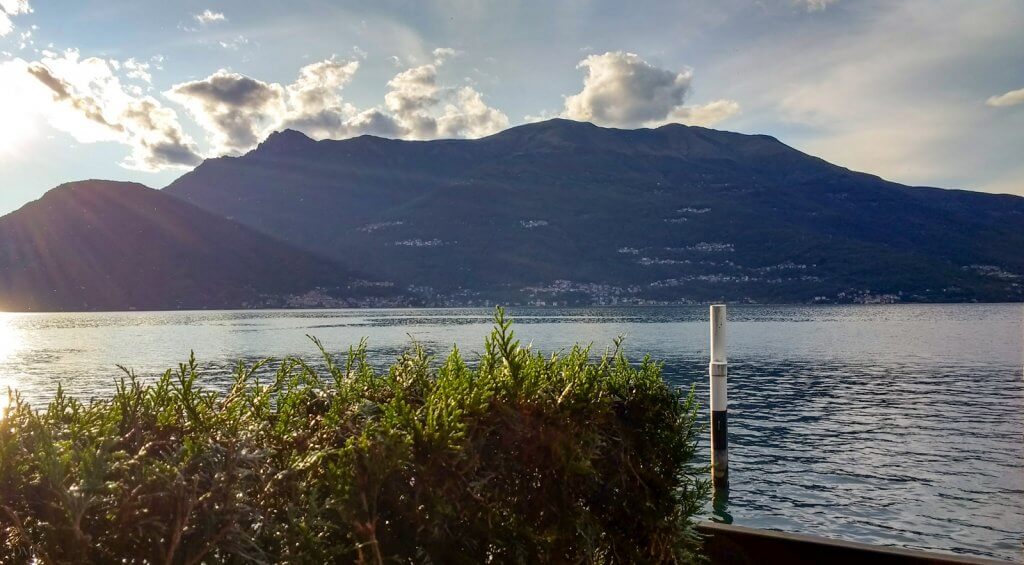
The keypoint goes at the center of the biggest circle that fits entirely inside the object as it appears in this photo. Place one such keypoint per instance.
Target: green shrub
(524, 458)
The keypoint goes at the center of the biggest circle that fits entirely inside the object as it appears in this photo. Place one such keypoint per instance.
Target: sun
(20, 99)
(19, 127)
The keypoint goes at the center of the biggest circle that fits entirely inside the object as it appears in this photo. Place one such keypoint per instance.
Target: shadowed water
(901, 425)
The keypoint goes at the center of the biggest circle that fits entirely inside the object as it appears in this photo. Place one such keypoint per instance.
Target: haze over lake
(900, 425)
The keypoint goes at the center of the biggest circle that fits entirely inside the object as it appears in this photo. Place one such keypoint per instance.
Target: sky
(925, 92)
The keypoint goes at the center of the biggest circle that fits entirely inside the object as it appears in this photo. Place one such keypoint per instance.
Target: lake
(892, 424)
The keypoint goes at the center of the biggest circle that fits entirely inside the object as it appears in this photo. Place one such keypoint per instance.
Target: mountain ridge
(108, 245)
(555, 212)
(541, 204)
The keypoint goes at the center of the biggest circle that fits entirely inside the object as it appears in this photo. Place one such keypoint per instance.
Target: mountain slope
(100, 245)
(563, 210)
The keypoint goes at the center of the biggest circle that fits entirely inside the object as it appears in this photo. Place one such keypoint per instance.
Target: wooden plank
(728, 544)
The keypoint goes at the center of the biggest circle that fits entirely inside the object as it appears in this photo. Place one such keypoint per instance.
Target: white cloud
(815, 5)
(1011, 98)
(15, 7)
(25, 39)
(314, 99)
(10, 8)
(137, 70)
(443, 53)
(422, 109)
(411, 94)
(208, 17)
(467, 115)
(86, 99)
(235, 43)
(239, 111)
(705, 115)
(622, 90)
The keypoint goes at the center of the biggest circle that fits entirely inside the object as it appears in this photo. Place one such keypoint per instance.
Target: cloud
(10, 8)
(157, 137)
(238, 111)
(234, 108)
(622, 90)
(411, 94)
(815, 5)
(235, 43)
(876, 93)
(374, 122)
(137, 70)
(315, 103)
(87, 106)
(84, 98)
(468, 116)
(422, 109)
(208, 17)
(705, 114)
(443, 53)
(1011, 98)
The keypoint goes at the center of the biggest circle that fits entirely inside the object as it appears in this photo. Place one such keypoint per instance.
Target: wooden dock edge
(728, 544)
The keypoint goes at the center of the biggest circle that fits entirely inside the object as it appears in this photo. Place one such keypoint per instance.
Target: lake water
(900, 425)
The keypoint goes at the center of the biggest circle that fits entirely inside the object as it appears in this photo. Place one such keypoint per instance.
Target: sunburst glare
(10, 342)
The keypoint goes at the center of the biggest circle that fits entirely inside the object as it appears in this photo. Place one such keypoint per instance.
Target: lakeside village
(707, 262)
(560, 293)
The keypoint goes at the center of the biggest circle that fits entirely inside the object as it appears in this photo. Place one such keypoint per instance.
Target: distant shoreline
(516, 306)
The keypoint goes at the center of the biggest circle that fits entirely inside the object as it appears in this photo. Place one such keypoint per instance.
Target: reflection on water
(720, 506)
(899, 425)
(10, 342)
(10, 336)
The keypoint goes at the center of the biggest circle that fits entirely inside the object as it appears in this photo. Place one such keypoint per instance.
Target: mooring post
(719, 371)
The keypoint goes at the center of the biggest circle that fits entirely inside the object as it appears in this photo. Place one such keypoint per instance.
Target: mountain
(100, 245)
(568, 212)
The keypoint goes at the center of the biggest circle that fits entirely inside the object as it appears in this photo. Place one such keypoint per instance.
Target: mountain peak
(553, 124)
(92, 189)
(285, 141)
(98, 184)
(107, 245)
(556, 132)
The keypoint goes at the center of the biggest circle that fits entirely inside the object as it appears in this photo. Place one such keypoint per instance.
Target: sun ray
(10, 343)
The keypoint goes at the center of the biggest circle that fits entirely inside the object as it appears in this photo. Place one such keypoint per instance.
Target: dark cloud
(236, 109)
(230, 89)
(375, 122)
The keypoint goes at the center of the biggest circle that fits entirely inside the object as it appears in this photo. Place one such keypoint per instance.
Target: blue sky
(927, 92)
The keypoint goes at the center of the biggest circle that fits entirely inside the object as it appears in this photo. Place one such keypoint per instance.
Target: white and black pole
(719, 371)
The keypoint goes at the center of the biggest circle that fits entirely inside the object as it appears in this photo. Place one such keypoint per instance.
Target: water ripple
(898, 425)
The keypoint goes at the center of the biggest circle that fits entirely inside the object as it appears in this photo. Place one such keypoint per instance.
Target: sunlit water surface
(900, 425)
